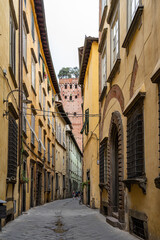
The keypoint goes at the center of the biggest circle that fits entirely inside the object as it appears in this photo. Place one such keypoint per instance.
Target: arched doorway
(115, 168)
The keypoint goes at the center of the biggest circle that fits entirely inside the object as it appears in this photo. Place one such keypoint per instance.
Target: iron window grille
(135, 142)
(12, 148)
(138, 228)
(103, 161)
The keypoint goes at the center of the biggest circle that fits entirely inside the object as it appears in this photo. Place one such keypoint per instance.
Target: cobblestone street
(62, 219)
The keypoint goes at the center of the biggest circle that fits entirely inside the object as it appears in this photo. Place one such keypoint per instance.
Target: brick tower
(72, 100)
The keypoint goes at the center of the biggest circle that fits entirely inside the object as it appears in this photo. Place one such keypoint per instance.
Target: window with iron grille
(12, 147)
(135, 142)
(57, 181)
(32, 26)
(103, 161)
(138, 228)
(12, 45)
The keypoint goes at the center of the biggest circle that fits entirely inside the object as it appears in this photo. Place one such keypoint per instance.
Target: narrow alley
(62, 219)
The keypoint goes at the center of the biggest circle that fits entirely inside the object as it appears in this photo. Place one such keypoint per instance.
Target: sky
(68, 21)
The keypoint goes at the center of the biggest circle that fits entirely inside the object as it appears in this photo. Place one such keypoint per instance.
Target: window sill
(157, 182)
(114, 70)
(103, 18)
(133, 27)
(13, 76)
(103, 93)
(25, 65)
(34, 90)
(141, 182)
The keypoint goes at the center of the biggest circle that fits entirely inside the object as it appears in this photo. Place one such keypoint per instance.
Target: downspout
(20, 76)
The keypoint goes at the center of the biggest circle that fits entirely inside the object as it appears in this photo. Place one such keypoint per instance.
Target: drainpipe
(20, 76)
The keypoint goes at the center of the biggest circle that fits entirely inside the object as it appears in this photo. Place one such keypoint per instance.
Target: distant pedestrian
(73, 195)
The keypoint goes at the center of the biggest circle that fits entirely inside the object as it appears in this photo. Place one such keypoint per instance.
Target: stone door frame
(116, 121)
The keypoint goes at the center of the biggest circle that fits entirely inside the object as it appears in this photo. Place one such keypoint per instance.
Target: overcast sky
(68, 21)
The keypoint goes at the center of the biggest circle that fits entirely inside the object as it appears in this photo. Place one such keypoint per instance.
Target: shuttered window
(24, 43)
(53, 155)
(56, 181)
(32, 128)
(40, 139)
(12, 147)
(135, 143)
(33, 72)
(32, 26)
(12, 45)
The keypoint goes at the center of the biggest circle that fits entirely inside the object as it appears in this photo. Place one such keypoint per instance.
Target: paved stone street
(62, 219)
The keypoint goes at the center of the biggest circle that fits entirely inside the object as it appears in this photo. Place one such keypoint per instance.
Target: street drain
(59, 227)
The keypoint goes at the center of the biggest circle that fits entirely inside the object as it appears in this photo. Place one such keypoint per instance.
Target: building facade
(74, 164)
(129, 107)
(88, 80)
(72, 100)
(27, 109)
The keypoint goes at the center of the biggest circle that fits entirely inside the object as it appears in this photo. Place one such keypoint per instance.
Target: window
(65, 97)
(75, 113)
(33, 72)
(87, 121)
(12, 148)
(40, 138)
(32, 128)
(59, 133)
(75, 85)
(135, 142)
(44, 143)
(24, 43)
(24, 115)
(12, 45)
(39, 51)
(104, 68)
(44, 103)
(103, 161)
(70, 98)
(32, 26)
(52, 97)
(76, 97)
(115, 40)
(132, 7)
(25, 2)
(64, 140)
(103, 6)
(53, 150)
(49, 121)
(40, 92)
(52, 124)
(70, 86)
(65, 86)
(48, 150)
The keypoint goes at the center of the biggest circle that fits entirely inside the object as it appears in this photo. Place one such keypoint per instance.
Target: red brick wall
(74, 105)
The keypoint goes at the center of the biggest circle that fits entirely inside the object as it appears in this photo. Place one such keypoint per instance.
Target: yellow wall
(91, 142)
(6, 85)
(145, 45)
